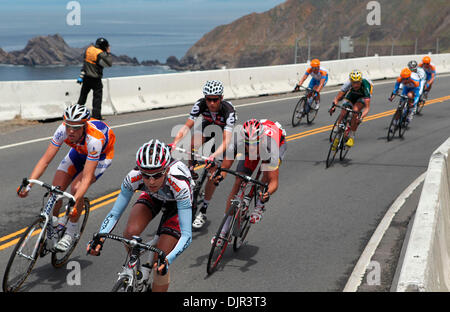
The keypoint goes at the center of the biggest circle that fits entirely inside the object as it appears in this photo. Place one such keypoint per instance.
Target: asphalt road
(315, 226)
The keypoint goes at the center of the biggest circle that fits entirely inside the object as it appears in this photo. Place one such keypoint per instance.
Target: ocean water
(143, 46)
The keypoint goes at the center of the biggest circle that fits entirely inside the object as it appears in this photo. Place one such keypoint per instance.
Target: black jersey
(224, 118)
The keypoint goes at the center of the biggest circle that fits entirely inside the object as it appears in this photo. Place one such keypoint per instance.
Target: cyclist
(167, 186)
(261, 141)
(430, 70)
(358, 93)
(412, 65)
(215, 111)
(319, 79)
(92, 151)
(411, 88)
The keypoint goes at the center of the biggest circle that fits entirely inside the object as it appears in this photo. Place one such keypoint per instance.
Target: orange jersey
(97, 144)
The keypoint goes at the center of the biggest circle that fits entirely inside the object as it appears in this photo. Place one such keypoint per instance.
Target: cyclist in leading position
(319, 79)
(430, 70)
(92, 151)
(358, 93)
(167, 186)
(260, 141)
(411, 88)
(215, 111)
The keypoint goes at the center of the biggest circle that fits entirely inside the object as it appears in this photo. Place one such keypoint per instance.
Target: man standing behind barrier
(95, 59)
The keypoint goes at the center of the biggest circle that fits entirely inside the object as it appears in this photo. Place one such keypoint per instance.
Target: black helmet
(102, 43)
(412, 65)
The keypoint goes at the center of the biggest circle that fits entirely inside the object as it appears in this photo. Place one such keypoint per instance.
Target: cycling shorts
(315, 82)
(74, 162)
(169, 223)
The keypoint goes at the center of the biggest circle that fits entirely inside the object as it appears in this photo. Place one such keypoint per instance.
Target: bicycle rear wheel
(420, 105)
(394, 125)
(123, 285)
(217, 252)
(24, 256)
(311, 115)
(60, 258)
(343, 150)
(298, 115)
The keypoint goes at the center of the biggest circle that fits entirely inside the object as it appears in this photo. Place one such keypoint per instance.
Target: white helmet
(213, 87)
(153, 155)
(76, 113)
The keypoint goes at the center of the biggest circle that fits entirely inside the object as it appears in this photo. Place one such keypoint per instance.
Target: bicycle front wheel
(393, 126)
(217, 251)
(60, 258)
(403, 123)
(298, 114)
(24, 256)
(198, 194)
(123, 285)
(333, 129)
(334, 147)
(245, 227)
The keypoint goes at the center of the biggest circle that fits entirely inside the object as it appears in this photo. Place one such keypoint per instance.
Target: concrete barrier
(140, 93)
(426, 264)
(46, 99)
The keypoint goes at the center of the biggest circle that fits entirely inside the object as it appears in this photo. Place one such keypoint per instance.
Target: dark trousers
(96, 85)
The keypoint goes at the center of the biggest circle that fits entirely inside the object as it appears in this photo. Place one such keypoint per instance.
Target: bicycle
(338, 137)
(199, 188)
(422, 101)
(40, 238)
(303, 108)
(399, 119)
(135, 277)
(240, 224)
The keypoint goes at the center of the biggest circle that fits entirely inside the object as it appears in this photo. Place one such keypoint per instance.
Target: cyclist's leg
(357, 107)
(67, 171)
(169, 233)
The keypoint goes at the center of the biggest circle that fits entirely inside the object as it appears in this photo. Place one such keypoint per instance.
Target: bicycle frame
(55, 195)
(136, 248)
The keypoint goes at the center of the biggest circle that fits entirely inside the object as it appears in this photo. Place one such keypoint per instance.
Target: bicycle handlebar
(132, 243)
(204, 159)
(243, 177)
(51, 188)
(348, 109)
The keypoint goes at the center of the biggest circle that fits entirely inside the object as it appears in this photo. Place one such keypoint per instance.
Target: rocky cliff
(53, 50)
(269, 38)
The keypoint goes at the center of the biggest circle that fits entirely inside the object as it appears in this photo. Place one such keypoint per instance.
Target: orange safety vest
(91, 55)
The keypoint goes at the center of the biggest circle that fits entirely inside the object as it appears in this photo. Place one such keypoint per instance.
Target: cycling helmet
(76, 113)
(406, 73)
(213, 87)
(426, 60)
(412, 65)
(315, 63)
(252, 130)
(355, 76)
(153, 155)
(102, 43)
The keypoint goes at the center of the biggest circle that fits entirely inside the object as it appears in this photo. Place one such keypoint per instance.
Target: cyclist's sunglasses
(155, 176)
(74, 127)
(210, 99)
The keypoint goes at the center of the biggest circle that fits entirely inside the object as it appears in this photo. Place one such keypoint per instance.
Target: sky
(169, 26)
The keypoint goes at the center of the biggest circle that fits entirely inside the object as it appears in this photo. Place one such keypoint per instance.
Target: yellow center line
(288, 138)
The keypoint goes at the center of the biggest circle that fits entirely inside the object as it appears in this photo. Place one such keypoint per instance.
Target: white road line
(181, 115)
(361, 266)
